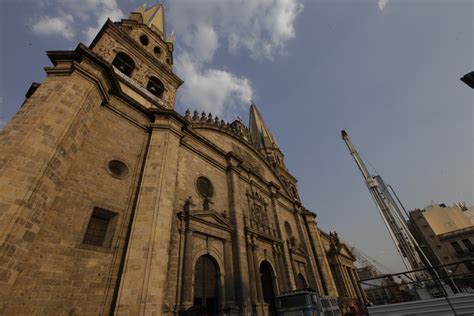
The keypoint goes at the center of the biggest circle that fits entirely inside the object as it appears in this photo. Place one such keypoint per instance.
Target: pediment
(211, 218)
(344, 251)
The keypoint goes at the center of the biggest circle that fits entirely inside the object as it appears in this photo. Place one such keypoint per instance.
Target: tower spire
(259, 132)
(153, 16)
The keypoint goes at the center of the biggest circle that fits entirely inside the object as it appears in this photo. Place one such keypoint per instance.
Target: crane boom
(405, 243)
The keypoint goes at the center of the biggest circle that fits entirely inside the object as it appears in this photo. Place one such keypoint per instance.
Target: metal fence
(422, 284)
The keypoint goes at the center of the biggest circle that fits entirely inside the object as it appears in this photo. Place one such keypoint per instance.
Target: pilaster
(327, 279)
(307, 246)
(285, 252)
(143, 285)
(239, 248)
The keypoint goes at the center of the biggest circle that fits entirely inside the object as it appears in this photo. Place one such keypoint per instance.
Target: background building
(447, 236)
(341, 261)
(111, 201)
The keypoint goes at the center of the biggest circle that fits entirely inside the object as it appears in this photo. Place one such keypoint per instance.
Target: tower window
(124, 63)
(157, 51)
(144, 40)
(100, 228)
(156, 87)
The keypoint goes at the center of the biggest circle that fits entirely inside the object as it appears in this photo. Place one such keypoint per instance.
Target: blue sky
(387, 71)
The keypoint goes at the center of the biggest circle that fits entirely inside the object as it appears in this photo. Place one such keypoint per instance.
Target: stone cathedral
(111, 202)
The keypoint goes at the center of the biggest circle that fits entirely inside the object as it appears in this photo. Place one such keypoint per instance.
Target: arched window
(124, 63)
(289, 233)
(156, 87)
(301, 282)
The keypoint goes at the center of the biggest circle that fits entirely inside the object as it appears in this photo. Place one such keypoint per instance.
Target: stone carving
(258, 207)
(206, 204)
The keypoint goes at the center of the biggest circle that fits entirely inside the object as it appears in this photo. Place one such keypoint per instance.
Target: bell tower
(141, 54)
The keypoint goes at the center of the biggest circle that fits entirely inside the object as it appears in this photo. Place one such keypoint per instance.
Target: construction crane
(408, 248)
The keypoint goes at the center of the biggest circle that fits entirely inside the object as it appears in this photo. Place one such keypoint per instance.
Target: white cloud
(212, 90)
(261, 27)
(382, 4)
(93, 13)
(258, 28)
(203, 40)
(59, 25)
(105, 9)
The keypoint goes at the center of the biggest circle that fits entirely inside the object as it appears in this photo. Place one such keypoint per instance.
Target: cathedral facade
(113, 203)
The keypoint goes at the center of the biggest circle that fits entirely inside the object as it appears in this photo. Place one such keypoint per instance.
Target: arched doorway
(301, 282)
(266, 276)
(206, 284)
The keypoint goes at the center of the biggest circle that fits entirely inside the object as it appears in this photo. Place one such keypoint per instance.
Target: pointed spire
(140, 9)
(170, 38)
(187, 115)
(196, 116)
(153, 16)
(259, 132)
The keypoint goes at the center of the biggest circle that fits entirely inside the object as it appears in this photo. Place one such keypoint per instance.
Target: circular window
(118, 169)
(144, 40)
(204, 187)
(157, 51)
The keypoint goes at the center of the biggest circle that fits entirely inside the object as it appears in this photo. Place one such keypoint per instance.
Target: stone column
(143, 284)
(293, 268)
(252, 274)
(229, 273)
(327, 279)
(187, 299)
(182, 243)
(258, 279)
(304, 237)
(347, 281)
(281, 263)
(239, 249)
(279, 269)
(356, 285)
(289, 281)
(261, 306)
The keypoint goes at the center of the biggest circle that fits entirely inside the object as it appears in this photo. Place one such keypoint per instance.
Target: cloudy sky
(387, 71)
